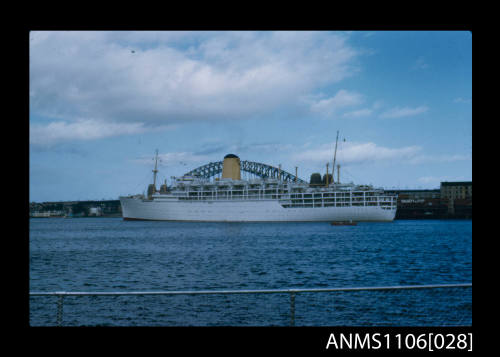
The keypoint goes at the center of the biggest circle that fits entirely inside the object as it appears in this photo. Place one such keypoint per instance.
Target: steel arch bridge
(256, 168)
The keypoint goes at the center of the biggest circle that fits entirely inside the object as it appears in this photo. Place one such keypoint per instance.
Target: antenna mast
(335, 158)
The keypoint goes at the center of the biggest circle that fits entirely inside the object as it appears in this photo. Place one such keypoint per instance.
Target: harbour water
(109, 254)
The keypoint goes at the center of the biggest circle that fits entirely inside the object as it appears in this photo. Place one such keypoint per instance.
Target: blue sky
(101, 103)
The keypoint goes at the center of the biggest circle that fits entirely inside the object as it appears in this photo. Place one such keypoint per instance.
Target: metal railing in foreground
(291, 292)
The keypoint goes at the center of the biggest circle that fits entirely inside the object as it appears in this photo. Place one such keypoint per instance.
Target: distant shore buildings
(108, 208)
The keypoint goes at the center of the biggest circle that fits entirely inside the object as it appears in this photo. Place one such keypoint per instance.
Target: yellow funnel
(231, 167)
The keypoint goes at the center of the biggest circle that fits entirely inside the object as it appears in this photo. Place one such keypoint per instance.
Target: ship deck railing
(319, 199)
(291, 292)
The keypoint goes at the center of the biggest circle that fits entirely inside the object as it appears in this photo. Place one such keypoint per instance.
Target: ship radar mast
(155, 171)
(152, 186)
(334, 159)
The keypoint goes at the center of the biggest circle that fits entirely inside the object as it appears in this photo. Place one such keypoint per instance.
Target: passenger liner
(231, 199)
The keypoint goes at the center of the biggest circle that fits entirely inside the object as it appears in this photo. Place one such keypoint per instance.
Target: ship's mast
(155, 171)
(327, 180)
(335, 157)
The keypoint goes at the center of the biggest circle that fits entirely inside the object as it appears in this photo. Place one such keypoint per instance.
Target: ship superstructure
(231, 199)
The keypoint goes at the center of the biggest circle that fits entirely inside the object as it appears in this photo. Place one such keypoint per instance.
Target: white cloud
(182, 158)
(439, 158)
(462, 100)
(60, 131)
(259, 148)
(158, 78)
(354, 153)
(398, 112)
(358, 113)
(342, 99)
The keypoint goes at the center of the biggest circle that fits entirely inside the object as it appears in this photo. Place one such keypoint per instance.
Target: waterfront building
(456, 190)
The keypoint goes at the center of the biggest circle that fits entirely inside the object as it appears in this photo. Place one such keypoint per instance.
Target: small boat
(344, 223)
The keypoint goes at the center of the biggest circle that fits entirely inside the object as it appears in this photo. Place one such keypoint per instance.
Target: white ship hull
(134, 208)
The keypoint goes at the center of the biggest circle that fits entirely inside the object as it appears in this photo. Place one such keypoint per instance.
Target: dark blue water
(109, 254)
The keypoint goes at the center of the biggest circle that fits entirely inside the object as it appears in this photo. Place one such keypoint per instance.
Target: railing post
(59, 316)
(292, 308)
